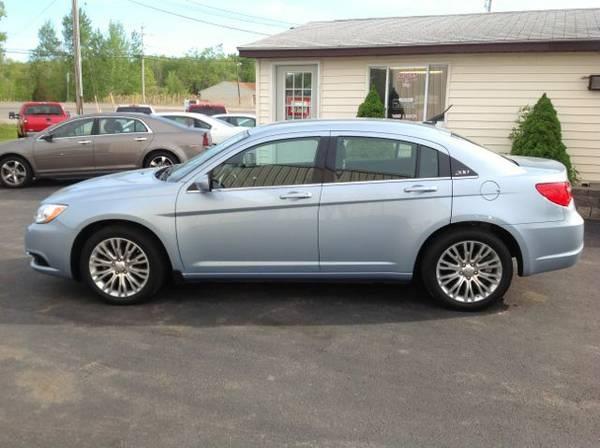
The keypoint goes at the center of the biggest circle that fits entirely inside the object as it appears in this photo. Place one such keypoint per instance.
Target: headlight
(48, 212)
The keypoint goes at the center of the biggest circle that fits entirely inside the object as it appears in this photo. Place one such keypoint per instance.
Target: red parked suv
(36, 116)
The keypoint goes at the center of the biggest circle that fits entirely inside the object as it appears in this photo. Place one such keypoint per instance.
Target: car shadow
(32, 298)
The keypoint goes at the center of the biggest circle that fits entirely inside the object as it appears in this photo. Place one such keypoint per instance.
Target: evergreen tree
(539, 135)
(372, 106)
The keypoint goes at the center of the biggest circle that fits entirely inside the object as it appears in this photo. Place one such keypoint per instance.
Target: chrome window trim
(262, 187)
(385, 181)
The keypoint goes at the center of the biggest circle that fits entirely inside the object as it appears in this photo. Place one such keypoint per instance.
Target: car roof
(411, 128)
(40, 103)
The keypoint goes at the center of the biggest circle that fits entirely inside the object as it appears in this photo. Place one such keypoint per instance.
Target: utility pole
(237, 72)
(68, 82)
(143, 70)
(488, 5)
(77, 59)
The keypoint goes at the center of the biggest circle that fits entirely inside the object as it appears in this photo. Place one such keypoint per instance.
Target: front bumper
(49, 246)
(549, 246)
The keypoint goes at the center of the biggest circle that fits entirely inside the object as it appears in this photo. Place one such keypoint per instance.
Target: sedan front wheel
(122, 265)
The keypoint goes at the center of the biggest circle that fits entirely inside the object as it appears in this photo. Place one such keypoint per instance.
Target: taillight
(206, 141)
(557, 192)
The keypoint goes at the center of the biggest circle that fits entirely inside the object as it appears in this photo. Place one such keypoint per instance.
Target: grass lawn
(8, 132)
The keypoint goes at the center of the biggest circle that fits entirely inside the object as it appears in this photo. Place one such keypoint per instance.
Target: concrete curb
(587, 201)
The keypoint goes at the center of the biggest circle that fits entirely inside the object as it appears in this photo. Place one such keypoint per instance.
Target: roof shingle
(560, 25)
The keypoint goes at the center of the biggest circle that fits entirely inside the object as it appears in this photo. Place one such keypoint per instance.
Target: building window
(298, 95)
(411, 93)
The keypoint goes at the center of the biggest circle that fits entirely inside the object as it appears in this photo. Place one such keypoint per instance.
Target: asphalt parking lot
(298, 365)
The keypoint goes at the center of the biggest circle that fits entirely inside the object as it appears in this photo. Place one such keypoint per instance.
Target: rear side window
(186, 121)
(44, 109)
(367, 158)
(120, 126)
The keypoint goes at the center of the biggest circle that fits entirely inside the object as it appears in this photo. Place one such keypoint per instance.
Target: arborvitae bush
(539, 135)
(372, 106)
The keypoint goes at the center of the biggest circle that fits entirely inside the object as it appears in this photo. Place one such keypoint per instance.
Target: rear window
(44, 109)
(207, 109)
(136, 109)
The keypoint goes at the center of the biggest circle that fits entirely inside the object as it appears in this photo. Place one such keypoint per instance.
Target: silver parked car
(373, 199)
(96, 144)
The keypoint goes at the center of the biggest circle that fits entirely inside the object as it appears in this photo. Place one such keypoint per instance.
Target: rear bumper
(551, 245)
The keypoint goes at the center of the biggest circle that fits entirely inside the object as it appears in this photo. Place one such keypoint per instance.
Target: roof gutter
(492, 47)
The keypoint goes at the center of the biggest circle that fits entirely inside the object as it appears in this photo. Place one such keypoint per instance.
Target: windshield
(180, 171)
(44, 109)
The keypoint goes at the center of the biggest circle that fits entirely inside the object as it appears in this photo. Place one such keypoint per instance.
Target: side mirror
(203, 183)
(47, 137)
(13, 116)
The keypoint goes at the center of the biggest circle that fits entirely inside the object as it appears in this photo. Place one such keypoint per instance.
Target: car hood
(120, 186)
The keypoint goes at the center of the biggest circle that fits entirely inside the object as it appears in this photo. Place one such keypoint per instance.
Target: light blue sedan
(353, 200)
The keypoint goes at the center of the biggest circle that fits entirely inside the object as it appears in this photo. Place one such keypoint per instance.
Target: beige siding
(486, 92)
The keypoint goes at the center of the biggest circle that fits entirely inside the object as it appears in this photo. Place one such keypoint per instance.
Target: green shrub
(372, 106)
(539, 135)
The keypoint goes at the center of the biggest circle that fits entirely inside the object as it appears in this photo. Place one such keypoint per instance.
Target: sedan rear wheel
(122, 265)
(467, 269)
(15, 172)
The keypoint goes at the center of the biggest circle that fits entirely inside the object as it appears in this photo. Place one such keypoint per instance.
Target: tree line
(111, 65)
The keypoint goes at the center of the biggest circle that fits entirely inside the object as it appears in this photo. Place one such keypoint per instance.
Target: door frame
(316, 92)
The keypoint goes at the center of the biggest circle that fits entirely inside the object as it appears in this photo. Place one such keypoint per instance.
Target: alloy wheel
(13, 172)
(119, 267)
(159, 161)
(469, 271)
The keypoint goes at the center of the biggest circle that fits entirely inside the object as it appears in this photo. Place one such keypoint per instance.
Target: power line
(206, 22)
(253, 19)
(27, 26)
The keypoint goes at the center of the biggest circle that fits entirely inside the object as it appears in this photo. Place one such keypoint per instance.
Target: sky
(175, 36)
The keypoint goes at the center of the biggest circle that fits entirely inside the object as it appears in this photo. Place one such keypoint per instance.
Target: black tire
(437, 248)
(9, 161)
(157, 265)
(154, 155)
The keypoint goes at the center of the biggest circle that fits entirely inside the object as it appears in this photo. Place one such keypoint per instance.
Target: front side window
(360, 159)
(411, 93)
(283, 162)
(120, 126)
(78, 128)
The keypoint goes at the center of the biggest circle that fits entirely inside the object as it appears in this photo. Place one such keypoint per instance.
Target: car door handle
(420, 189)
(140, 139)
(296, 195)
(84, 142)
